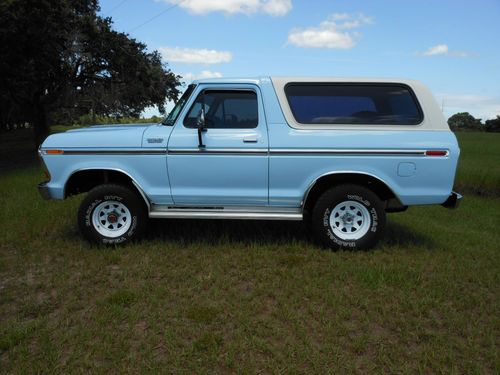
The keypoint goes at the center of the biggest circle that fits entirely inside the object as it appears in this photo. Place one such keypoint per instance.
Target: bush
(465, 121)
(493, 125)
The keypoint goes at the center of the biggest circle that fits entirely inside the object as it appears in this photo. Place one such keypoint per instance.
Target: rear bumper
(453, 200)
(44, 191)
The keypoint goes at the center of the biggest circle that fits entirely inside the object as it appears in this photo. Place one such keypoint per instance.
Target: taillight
(436, 153)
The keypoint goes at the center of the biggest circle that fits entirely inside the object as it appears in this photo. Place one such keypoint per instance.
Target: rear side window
(372, 104)
(225, 109)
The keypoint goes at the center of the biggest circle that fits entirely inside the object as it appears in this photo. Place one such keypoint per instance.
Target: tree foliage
(59, 59)
(493, 125)
(464, 121)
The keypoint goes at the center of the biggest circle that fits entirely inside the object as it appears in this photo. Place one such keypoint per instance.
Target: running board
(235, 213)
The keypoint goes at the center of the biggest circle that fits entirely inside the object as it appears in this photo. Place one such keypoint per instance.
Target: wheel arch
(328, 180)
(84, 179)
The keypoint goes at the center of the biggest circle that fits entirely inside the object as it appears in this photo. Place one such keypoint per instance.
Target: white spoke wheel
(111, 219)
(348, 217)
(350, 220)
(112, 214)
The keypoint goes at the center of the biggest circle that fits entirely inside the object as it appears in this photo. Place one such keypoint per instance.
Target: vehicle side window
(372, 104)
(225, 109)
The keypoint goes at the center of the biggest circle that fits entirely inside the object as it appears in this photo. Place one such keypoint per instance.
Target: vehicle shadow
(400, 235)
(191, 231)
(214, 232)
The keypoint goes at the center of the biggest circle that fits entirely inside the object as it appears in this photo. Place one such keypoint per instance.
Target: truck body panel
(272, 164)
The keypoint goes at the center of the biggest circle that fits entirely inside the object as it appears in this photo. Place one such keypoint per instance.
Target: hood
(99, 136)
(109, 127)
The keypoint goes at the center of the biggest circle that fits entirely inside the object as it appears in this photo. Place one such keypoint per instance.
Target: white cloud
(271, 7)
(335, 32)
(277, 7)
(480, 106)
(195, 56)
(443, 49)
(209, 74)
(440, 49)
(189, 77)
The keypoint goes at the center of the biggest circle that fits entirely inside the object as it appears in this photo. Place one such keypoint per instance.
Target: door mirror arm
(200, 122)
(201, 127)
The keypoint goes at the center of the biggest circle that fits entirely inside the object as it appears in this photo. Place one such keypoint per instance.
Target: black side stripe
(116, 152)
(256, 151)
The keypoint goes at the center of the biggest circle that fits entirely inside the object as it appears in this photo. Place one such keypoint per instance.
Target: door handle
(250, 140)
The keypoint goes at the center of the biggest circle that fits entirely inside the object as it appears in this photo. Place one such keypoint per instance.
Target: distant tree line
(60, 60)
(103, 120)
(466, 122)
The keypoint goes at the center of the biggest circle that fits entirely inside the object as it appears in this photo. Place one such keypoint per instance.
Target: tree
(464, 121)
(60, 58)
(493, 125)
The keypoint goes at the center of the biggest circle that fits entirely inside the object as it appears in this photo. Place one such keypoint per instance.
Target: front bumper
(453, 200)
(43, 189)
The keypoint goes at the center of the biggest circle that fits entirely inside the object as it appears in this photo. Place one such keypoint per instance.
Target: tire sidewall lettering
(131, 230)
(90, 210)
(113, 198)
(326, 217)
(365, 202)
(374, 217)
(113, 241)
(109, 193)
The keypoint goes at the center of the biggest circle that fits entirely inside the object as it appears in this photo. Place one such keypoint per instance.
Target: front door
(231, 168)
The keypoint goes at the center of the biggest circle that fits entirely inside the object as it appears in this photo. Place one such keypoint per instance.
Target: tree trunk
(40, 124)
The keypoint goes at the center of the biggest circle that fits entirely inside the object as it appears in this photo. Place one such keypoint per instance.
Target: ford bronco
(336, 153)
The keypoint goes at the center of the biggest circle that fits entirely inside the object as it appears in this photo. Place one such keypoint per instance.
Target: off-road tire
(366, 204)
(125, 200)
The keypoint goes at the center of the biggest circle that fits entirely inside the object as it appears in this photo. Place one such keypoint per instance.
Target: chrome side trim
(311, 185)
(218, 151)
(237, 213)
(388, 152)
(143, 195)
(124, 151)
(453, 200)
(246, 151)
(134, 182)
(220, 208)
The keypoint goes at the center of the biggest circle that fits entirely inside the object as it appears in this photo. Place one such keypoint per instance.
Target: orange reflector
(436, 153)
(54, 152)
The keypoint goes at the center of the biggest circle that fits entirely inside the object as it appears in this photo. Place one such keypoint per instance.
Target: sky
(452, 46)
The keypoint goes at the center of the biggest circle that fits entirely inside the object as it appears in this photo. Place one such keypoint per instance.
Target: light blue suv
(336, 153)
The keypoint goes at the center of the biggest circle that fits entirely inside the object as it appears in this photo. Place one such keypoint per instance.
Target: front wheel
(348, 217)
(111, 214)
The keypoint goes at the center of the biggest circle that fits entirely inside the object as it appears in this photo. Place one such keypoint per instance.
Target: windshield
(174, 113)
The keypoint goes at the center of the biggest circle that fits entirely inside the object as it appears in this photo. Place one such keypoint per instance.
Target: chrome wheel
(350, 220)
(111, 219)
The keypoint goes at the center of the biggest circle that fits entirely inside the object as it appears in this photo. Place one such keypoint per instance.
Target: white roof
(257, 80)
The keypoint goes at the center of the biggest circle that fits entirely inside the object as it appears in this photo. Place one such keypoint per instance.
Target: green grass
(231, 296)
(479, 166)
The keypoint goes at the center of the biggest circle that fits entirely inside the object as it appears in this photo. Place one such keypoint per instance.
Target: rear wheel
(348, 217)
(112, 214)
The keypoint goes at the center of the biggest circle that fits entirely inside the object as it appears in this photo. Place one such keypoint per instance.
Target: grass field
(254, 297)
(479, 167)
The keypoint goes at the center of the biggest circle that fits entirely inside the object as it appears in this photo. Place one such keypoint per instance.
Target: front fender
(148, 171)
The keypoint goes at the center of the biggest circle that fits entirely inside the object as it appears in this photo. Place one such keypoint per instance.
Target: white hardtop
(287, 79)
(433, 116)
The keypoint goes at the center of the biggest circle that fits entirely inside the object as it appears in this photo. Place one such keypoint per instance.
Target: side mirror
(200, 121)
